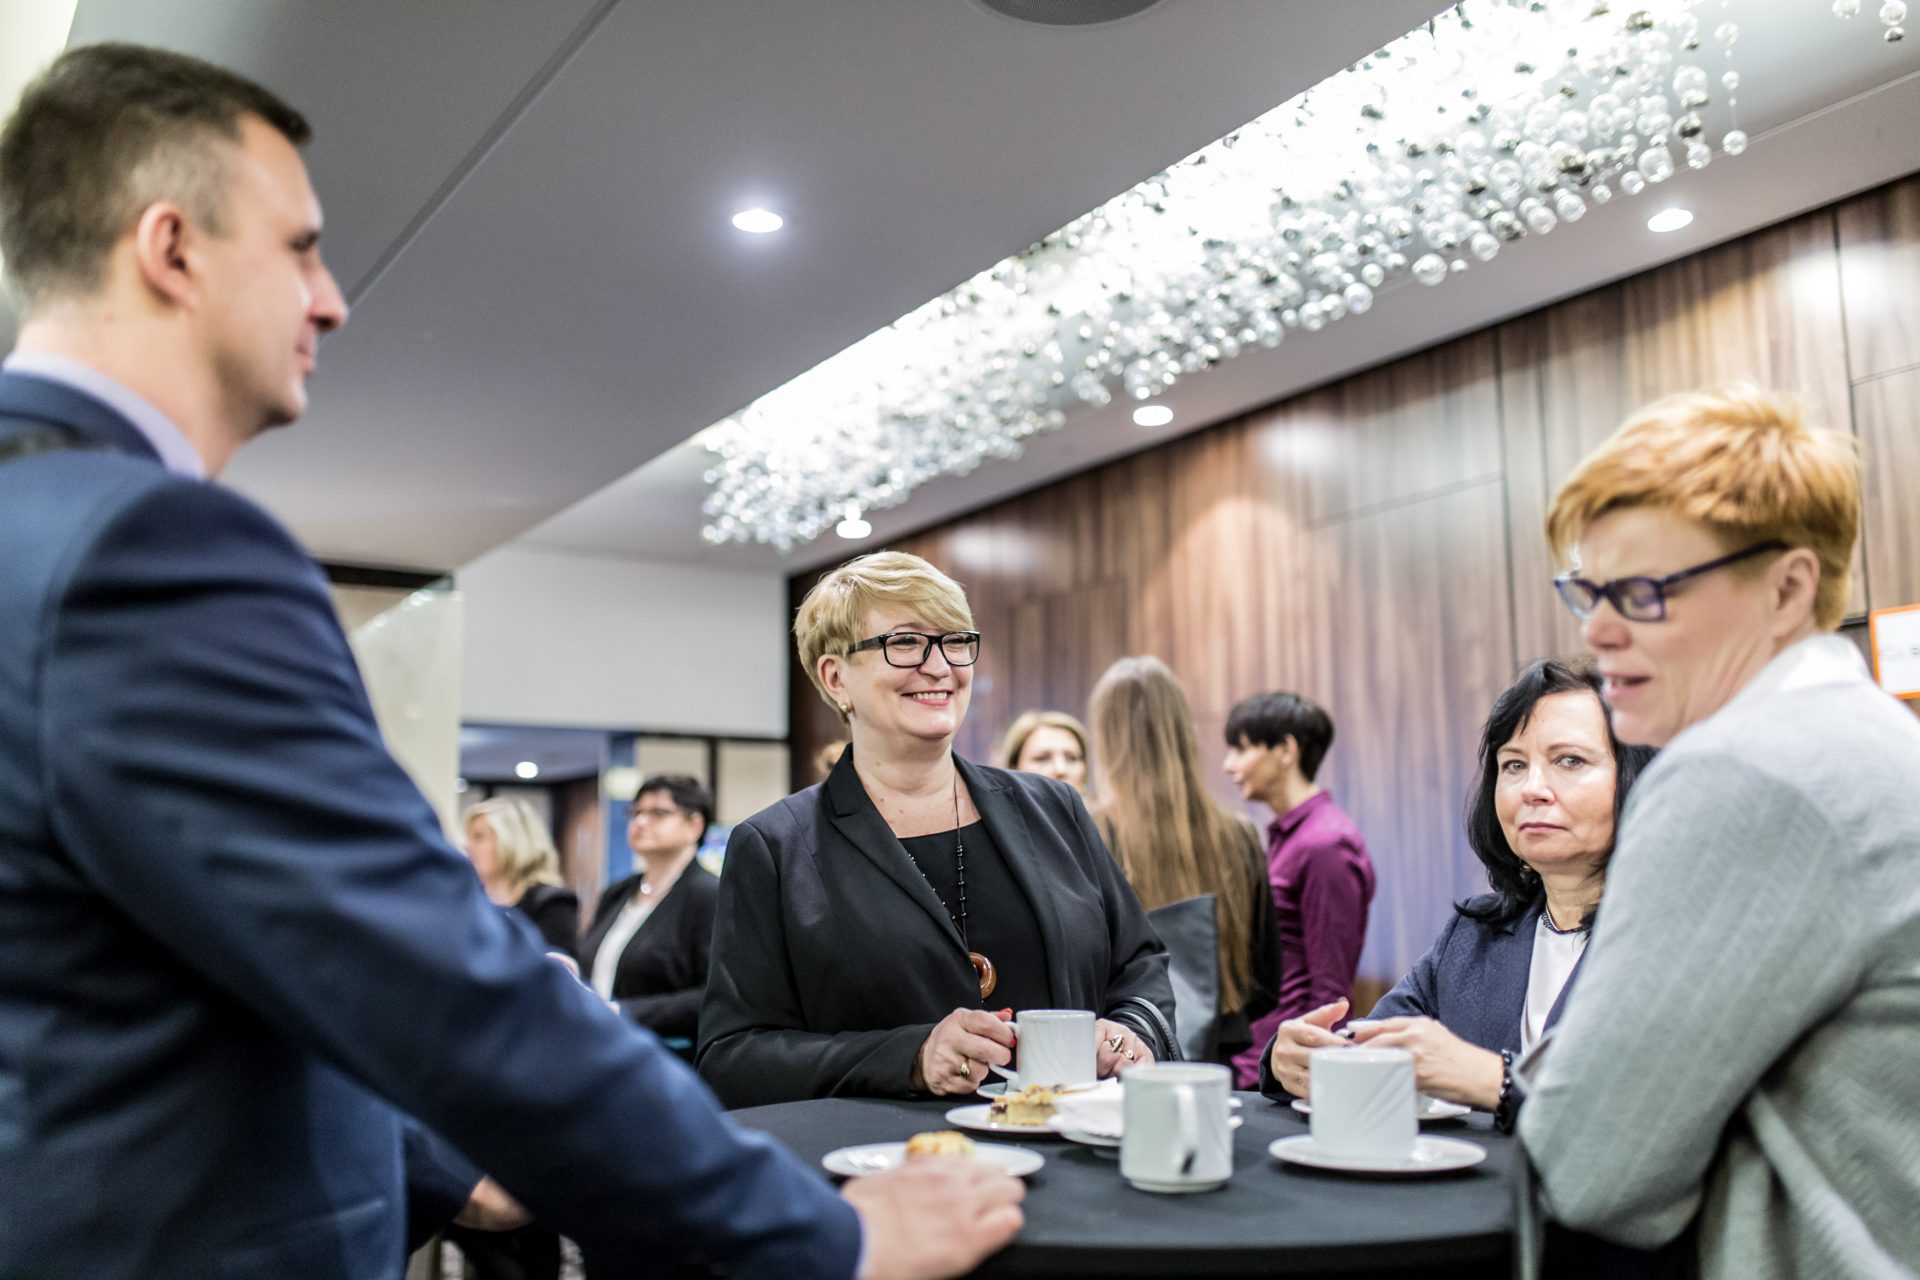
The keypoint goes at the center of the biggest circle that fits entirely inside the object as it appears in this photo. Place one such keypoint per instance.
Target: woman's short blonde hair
(831, 616)
(1014, 741)
(1740, 460)
(522, 847)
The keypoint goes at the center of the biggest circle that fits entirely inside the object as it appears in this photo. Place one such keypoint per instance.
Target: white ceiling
(528, 206)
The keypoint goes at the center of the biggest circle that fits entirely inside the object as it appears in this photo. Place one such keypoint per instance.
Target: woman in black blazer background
(876, 932)
(648, 947)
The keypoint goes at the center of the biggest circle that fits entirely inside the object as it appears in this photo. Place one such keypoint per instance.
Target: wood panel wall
(1376, 544)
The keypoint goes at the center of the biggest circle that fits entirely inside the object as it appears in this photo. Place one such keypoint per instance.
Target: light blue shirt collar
(176, 452)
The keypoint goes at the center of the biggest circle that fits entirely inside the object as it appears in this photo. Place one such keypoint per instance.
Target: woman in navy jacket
(1553, 779)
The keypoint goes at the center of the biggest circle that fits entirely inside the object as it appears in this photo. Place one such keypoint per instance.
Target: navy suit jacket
(1472, 981)
(235, 949)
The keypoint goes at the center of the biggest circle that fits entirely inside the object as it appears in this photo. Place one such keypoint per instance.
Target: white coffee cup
(1178, 1134)
(1056, 1047)
(1363, 1102)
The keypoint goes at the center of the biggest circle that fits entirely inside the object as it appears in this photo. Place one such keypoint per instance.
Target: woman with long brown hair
(1174, 841)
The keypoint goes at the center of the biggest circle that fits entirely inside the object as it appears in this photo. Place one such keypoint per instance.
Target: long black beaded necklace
(982, 967)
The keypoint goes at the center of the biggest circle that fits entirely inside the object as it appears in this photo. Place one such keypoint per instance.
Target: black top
(833, 960)
(1000, 922)
(555, 912)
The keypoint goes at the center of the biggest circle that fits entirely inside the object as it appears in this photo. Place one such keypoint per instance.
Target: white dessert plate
(1430, 1155)
(878, 1157)
(979, 1117)
(1431, 1109)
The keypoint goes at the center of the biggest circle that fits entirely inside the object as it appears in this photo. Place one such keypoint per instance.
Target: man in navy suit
(235, 951)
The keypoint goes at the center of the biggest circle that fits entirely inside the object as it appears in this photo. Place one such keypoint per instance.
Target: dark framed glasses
(1644, 599)
(911, 648)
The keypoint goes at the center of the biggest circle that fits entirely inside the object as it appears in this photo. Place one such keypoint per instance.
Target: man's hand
(490, 1208)
(934, 1217)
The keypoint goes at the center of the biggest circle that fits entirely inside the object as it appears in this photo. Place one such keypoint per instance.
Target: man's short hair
(1269, 719)
(100, 135)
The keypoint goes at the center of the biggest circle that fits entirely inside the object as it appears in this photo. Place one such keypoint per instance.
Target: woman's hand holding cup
(1299, 1037)
(956, 1055)
(1444, 1065)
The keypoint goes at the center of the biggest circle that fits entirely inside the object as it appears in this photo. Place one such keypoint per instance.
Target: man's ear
(162, 243)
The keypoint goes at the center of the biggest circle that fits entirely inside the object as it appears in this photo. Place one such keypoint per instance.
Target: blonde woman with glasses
(876, 932)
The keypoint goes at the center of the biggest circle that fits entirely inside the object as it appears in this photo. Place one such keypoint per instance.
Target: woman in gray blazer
(876, 932)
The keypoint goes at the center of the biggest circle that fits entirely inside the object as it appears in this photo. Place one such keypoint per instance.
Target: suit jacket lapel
(861, 825)
(41, 400)
(1000, 809)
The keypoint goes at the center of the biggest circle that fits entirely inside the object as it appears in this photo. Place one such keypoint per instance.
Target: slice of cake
(943, 1142)
(1031, 1106)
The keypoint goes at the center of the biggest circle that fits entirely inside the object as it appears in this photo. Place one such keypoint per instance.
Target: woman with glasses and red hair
(876, 932)
(1743, 1053)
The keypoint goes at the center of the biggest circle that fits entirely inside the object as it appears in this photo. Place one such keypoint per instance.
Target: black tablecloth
(1272, 1218)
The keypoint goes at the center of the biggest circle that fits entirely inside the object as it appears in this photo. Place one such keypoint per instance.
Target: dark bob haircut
(1515, 888)
(686, 793)
(1269, 719)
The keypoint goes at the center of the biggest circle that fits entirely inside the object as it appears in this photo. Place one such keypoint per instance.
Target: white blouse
(1554, 955)
(634, 914)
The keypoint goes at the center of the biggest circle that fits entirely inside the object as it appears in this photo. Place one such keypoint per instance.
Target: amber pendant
(989, 978)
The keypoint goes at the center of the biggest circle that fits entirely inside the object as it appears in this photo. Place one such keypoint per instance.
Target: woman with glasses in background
(651, 939)
(1048, 742)
(876, 931)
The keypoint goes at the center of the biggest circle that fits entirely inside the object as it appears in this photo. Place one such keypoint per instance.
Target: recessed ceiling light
(526, 769)
(759, 222)
(1669, 220)
(1152, 415)
(853, 527)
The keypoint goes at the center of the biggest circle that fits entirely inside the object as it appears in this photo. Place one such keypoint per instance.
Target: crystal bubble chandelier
(1501, 119)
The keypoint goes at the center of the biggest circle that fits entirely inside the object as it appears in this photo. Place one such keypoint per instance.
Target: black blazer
(833, 958)
(555, 912)
(662, 974)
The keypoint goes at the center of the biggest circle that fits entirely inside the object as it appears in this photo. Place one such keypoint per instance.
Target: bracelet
(1508, 1109)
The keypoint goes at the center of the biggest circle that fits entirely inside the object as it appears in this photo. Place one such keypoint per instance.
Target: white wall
(601, 642)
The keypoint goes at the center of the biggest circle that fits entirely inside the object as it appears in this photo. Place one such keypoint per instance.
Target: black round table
(1271, 1219)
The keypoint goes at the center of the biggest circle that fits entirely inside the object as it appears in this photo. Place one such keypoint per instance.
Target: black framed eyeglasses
(1644, 599)
(912, 648)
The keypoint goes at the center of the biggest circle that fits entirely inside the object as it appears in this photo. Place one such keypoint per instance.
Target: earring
(846, 708)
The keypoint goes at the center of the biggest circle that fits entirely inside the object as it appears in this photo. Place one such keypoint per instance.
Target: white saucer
(1430, 1155)
(1087, 1139)
(1093, 1133)
(1431, 1109)
(878, 1157)
(979, 1117)
(992, 1089)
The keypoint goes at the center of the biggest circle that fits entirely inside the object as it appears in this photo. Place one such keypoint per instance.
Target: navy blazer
(235, 947)
(833, 958)
(1473, 981)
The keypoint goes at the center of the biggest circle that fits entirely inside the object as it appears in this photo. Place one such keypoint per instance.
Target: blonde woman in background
(509, 846)
(1175, 841)
(1052, 743)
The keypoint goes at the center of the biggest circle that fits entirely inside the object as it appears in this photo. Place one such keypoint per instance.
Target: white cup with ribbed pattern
(1363, 1102)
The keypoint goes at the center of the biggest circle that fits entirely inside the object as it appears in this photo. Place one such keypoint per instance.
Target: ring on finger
(1115, 1041)
(964, 1070)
